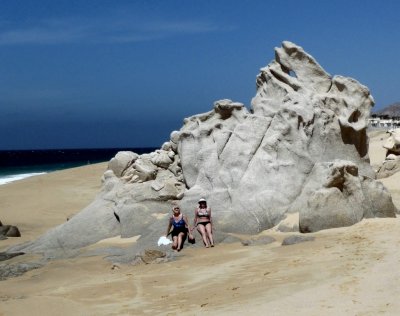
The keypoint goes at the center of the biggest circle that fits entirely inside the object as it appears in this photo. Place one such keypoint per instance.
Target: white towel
(164, 241)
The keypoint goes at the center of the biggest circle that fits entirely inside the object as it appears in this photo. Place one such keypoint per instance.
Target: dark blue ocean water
(19, 164)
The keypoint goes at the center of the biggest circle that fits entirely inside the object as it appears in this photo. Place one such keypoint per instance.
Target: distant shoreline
(18, 158)
(16, 177)
(21, 164)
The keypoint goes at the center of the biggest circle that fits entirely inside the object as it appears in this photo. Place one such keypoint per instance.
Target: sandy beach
(344, 271)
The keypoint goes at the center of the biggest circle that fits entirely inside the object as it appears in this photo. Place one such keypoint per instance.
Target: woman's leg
(202, 231)
(174, 242)
(209, 234)
(180, 240)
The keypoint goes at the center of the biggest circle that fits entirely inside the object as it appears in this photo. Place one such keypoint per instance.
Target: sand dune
(346, 271)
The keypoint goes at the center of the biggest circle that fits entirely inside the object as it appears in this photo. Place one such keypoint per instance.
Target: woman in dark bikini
(203, 222)
(180, 225)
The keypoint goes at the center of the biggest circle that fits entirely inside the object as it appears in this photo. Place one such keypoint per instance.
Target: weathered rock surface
(301, 148)
(6, 256)
(388, 168)
(392, 143)
(391, 164)
(296, 239)
(150, 256)
(13, 270)
(263, 240)
(121, 161)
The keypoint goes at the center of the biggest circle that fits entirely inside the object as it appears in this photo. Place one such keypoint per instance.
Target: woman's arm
(195, 219)
(186, 222)
(211, 221)
(169, 227)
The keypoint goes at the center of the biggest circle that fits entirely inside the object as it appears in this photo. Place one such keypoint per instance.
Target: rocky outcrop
(148, 256)
(301, 148)
(392, 143)
(16, 269)
(256, 167)
(9, 231)
(296, 239)
(389, 167)
(391, 164)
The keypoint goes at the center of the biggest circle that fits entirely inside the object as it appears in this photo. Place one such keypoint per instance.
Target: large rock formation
(301, 148)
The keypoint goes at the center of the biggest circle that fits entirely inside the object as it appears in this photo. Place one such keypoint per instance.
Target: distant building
(384, 122)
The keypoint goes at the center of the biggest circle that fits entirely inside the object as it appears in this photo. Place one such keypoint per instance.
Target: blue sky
(90, 74)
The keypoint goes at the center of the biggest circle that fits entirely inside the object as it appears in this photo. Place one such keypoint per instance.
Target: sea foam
(16, 177)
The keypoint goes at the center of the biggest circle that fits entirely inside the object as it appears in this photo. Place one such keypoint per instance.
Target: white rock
(161, 159)
(392, 157)
(166, 146)
(121, 162)
(175, 135)
(145, 169)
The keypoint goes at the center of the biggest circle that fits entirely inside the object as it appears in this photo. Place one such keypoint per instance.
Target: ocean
(20, 164)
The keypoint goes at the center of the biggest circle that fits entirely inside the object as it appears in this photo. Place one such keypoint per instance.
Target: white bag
(163, 241)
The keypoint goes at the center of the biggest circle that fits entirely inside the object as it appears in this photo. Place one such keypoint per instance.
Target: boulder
(301, 148)
(391, 164)
(121, 162)
(392, 143)
(336, 196)
(13, 232)
(9, 231)
(388, 168)
(161, 159)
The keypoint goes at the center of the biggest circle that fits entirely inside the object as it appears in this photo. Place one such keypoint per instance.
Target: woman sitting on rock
(180, 225)
(203, 222)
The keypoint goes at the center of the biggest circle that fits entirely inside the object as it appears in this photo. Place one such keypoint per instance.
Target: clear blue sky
(89, 74)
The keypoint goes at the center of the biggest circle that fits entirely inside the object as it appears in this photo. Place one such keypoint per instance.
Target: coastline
(20, 164)
(37, 204)
(19, 176)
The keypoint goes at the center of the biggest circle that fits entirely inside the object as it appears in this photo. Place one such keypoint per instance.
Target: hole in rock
(340, 86)
(337, 182)
(354, 116)
(292, 73)
(356, 138)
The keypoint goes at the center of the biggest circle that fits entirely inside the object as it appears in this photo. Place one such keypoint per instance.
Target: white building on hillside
(378, 122)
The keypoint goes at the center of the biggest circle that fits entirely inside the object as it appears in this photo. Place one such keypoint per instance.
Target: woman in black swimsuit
(180, 225)
(203, 222)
